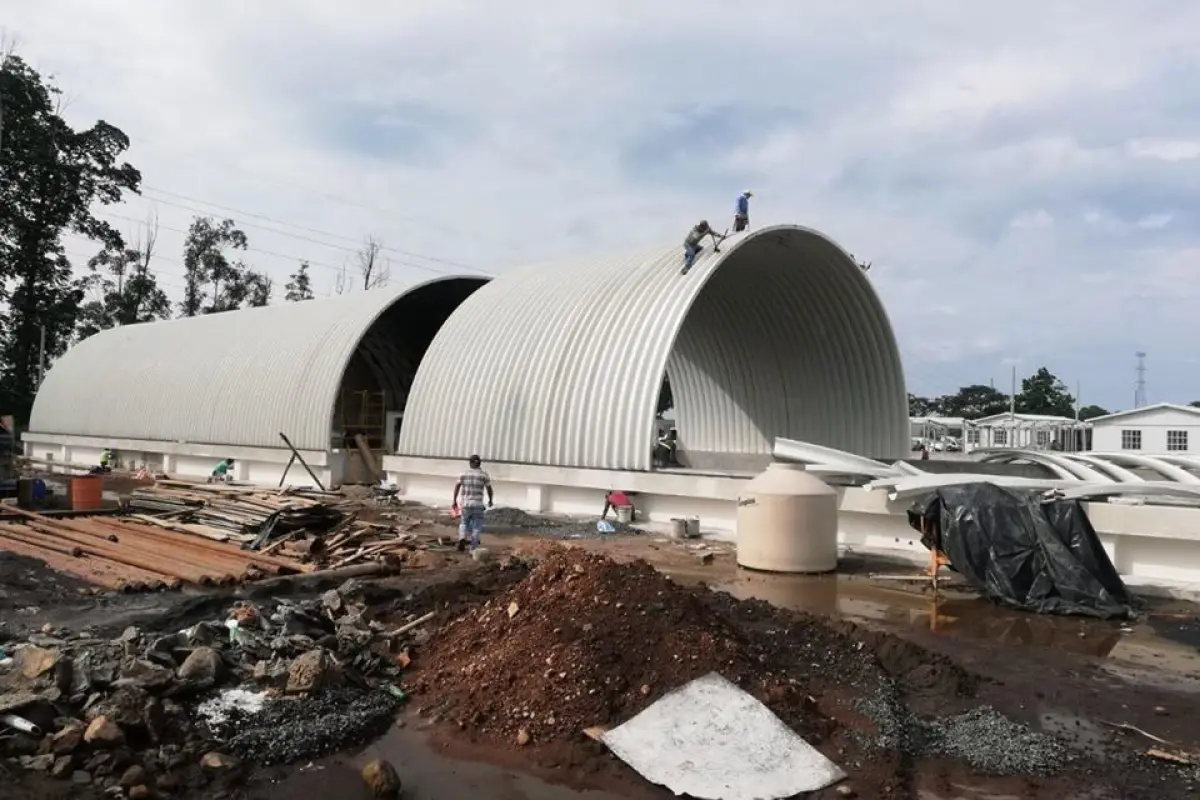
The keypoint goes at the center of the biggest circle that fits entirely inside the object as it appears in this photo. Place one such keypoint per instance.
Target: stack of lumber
(243, 514)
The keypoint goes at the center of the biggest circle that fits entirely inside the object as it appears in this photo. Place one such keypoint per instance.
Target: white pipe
(20, 724)
(1010, 455)
(1163, 468)
(1112, 470)
(806, 452)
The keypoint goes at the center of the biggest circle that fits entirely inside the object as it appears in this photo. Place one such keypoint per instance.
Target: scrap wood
(1126, 727)
(1176, 756)
(408, 626)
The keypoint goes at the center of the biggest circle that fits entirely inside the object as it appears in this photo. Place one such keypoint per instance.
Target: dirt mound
(584, 641)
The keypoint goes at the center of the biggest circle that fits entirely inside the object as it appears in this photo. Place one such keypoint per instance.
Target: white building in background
(1031, 431)
(1160, 429)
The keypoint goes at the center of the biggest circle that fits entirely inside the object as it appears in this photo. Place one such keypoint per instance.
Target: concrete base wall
(1149, 545)
(257, 465)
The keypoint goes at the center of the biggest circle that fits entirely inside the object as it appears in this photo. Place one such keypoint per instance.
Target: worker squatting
(692, 243)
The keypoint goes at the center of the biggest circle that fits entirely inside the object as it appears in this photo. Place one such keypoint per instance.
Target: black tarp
(1023, 551)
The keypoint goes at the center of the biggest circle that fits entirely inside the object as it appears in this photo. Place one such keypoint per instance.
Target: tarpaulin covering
(1023, 551)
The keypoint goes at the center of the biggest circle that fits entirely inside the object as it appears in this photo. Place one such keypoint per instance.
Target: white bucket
(679, 528)
(625, 514)
(692, 527)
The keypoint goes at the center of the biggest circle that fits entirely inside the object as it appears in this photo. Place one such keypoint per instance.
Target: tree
(51, 178)
(922, 406)
(1195, 404)
(299, 286)
(121, 287)
(973, 402)
(1091, 412)
(374, 271)
(212, 282)
(1043, 393)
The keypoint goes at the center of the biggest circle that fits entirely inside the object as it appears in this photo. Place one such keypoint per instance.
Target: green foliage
(1041, 393)
(51, 179)
(299, 285)
(212, 282)
(1092, 411)
(120, 289)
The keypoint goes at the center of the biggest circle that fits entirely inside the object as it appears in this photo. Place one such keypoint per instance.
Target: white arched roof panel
(779, 335)
(236, 378)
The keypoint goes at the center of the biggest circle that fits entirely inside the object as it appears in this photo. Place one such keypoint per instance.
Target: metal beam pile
(129, 555)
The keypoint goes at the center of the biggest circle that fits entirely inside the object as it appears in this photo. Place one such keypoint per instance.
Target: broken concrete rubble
(133, 703)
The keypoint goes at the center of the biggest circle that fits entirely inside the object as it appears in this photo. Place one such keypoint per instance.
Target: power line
(317, 231)
(392, 213)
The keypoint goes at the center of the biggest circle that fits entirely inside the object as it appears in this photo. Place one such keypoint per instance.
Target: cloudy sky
(1024, 176)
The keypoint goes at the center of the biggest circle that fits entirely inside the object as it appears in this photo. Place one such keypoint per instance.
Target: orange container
(86, 493)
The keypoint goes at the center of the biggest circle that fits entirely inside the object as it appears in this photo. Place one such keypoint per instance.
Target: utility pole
(1012, 397)
(1139, 393)
(42, 356)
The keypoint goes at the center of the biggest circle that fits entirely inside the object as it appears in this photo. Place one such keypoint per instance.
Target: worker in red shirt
(617, 499)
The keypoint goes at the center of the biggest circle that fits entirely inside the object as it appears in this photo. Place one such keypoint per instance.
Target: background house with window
(1026, 431)
(1160, 429)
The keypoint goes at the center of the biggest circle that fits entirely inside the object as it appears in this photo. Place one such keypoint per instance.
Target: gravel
(286, 731)
(514, 519)
(983, 738)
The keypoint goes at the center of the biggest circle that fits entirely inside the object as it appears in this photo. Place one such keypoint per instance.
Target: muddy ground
(1086, 683)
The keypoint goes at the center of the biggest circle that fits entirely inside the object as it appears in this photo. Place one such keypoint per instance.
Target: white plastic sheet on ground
(712, 741)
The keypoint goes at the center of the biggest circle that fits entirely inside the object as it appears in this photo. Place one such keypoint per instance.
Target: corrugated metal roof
(235, 378)
(781, 334)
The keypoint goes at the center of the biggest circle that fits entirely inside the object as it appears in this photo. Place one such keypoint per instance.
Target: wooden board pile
(247, 515)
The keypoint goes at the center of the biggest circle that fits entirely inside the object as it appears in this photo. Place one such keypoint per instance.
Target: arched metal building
(780, 334)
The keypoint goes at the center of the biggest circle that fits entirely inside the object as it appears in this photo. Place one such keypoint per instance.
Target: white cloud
(1008, 163)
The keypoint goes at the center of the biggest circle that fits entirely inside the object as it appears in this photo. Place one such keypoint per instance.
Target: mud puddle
(424, 772)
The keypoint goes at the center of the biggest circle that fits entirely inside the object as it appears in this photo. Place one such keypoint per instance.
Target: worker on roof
(221, 471)
(106, 458)
(692, 246)
(741, 211)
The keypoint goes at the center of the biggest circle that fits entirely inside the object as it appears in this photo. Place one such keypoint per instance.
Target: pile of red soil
(584, 641)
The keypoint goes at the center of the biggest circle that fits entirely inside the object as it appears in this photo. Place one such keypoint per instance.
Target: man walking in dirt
(471, 487)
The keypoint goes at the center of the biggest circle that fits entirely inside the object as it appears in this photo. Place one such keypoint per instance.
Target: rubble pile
(269, 683)
(584, 641)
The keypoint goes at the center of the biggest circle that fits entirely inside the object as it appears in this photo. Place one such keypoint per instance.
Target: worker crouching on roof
(471, 487)
(692, 246)
(741, 212)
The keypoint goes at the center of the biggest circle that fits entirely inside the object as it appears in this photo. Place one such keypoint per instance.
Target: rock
(154, 718)
(124, 706)
(217, 762)
(332, 600)
(140, 792)
(846, 790)
(39, 763)
(81, 777)
(33, 661)
(310, 671)
(261, 670)
(522, 737)
(201, 668)
(63, 766)
(134, 776)
(103, 733)
(168, 781)
(146, 674)
(48, 629)
(66, 740)
(513, 608)
(381, 778)
(481, 554)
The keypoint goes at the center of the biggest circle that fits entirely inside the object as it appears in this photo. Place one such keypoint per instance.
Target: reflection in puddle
(960, 614)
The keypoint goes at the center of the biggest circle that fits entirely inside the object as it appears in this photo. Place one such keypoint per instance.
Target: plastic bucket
(625, 514)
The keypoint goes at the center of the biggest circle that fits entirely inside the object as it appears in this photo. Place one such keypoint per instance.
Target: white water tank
(787, 521)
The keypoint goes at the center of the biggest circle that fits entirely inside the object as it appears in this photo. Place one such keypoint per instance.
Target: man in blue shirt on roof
(741, 213)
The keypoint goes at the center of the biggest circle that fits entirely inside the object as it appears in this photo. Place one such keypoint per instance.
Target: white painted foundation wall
(258, 465)
(1151, 546)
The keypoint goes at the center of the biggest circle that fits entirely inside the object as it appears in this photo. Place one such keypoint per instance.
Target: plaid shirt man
(473, 482)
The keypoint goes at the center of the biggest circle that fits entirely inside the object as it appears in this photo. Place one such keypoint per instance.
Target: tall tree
(922, 406)
(1043, 393)
(973, 402)
(51, 178)
(212, 281)
(374, 270)
(1092, 411)
(120, 288)
(299, 285)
